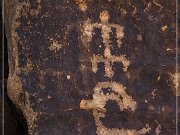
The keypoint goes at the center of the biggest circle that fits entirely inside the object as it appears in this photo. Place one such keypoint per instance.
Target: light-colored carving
(99, 98)
(101, 130)
(97, 104)
(118, 93)
(107, 59)
(55, 46)
(87, 32)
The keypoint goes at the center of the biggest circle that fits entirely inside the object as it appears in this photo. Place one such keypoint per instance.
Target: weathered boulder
(91, 67)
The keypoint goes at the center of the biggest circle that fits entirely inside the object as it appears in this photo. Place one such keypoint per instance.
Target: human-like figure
(118, 91)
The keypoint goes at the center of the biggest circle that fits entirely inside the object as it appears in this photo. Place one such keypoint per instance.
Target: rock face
(87, 67)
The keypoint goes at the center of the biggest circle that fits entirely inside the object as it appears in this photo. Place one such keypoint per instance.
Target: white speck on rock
(68, 77)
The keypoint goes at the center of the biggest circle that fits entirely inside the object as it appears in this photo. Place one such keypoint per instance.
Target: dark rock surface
(11, 124)
(55, 46)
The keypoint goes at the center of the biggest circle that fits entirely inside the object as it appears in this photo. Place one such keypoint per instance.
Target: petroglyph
(108, 59)
(97, 104)
(99, 99)
(118, 93)
(55, 46)
(106, 30)
(101, 130)
(92, 66)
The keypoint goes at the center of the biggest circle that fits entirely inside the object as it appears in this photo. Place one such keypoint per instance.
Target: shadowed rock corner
(11, 125)
(87, 67)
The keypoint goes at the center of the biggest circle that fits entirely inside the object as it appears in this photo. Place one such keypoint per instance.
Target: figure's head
(104, 16)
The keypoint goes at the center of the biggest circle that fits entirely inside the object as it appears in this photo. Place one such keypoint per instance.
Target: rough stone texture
(11, 125)
(91, 67)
